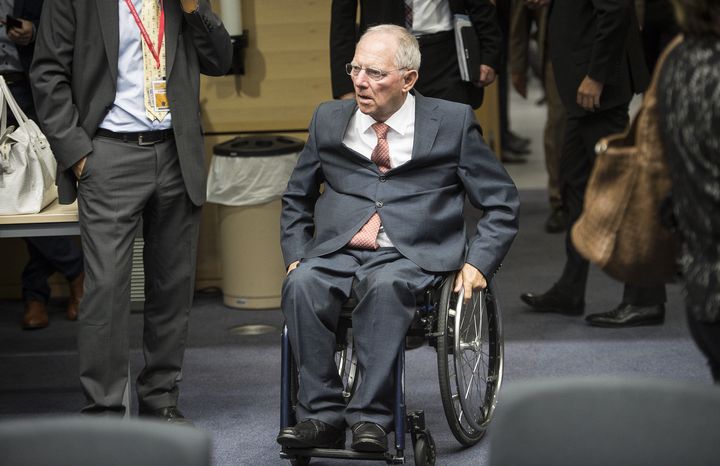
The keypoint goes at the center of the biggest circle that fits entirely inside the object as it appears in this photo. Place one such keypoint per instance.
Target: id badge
(159, 95)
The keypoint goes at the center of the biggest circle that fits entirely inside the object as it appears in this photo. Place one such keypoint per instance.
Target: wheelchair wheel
(300, 461)
(424, 449)
(346, 361)
(470, 361)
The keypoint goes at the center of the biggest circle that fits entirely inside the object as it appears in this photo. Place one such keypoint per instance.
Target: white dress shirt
(361, 138)
(431, 16)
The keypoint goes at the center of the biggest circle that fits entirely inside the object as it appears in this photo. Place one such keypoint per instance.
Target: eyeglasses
(373, 73)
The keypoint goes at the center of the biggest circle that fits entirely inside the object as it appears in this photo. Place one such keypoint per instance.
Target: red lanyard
(143, 32)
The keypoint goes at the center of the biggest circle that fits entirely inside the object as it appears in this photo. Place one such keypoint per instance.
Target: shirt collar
(399, 121)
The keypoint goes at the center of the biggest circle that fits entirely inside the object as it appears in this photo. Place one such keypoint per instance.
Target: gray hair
(408, 51)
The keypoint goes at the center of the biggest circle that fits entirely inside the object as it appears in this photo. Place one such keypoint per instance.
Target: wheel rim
(476, 362)
(346, 361)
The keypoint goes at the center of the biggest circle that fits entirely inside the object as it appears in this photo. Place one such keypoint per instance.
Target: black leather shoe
(627, 315)
(554, 301)
(514, 143)
(557, 221)
(312, 433)
(168, 414)
(509, 157)
(368, 436)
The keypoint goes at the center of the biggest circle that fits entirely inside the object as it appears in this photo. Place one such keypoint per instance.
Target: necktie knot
(381, 130)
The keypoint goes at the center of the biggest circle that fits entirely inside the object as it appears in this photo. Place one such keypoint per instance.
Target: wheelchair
(469, 343)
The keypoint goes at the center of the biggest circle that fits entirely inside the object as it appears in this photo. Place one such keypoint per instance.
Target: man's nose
(361, 79)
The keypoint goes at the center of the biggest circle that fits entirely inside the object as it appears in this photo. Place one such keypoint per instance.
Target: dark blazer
(420, 202)
(344, 34)
(28, 10)
(74, 74)
(600, 39)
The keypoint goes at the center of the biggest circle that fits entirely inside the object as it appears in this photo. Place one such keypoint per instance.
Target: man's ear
(409, 79)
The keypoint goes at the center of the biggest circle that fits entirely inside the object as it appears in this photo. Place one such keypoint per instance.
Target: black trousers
(576, 162)
(439, 74)
(707, 338)
(49, 254)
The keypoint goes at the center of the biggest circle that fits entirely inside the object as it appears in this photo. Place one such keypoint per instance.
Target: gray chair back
(89, 441)
(606, 421)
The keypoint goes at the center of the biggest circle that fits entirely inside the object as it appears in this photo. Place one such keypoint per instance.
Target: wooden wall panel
(287, 70)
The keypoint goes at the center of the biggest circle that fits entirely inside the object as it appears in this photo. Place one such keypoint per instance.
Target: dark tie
(366, 237)
(408, 14)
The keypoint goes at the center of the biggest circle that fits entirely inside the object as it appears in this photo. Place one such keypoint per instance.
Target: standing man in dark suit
(396, 167)
(431, 22)
(117, 97)
(47, 254)
(596, 54)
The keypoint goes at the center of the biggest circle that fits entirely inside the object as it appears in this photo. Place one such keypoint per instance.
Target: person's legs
(707, 338)
(388, 288)
(117, 180)
(36, 272)
(170, 233)
(576, 162)
(553, 140)
(35, 288)
(312, 296)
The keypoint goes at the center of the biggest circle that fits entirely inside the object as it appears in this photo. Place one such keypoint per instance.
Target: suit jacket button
(378, 204)
(383, 178)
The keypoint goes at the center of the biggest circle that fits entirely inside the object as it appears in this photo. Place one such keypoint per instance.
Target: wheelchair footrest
(416, 421)
(289, 453)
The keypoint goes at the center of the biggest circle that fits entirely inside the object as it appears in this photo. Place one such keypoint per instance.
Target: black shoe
(509, 157)
(312, 433)
(168, 414)
(554, 301)
(515, 144)
(368, 436)
(627, 315)
(517, 139)
(557, 221)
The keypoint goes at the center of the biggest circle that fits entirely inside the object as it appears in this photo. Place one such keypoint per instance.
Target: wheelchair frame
(443, 319)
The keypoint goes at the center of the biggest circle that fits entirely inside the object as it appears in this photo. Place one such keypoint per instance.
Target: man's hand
(535, 4)
(469, 278)
(292, 267)
(588, 94)
(519, 83)
(22, 35)
(189, 6)
(487, 76)
(78, 167)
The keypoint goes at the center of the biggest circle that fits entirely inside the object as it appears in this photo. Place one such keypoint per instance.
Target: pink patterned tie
(366, 237)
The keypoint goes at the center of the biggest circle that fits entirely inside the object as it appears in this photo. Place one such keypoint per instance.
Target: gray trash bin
(247, 177)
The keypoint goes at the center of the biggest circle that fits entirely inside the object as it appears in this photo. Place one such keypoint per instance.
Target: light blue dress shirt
(128, 110)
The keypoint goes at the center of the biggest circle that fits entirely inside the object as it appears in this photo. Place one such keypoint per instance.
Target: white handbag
(27, 165)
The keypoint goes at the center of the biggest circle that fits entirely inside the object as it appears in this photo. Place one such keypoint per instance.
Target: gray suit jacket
(420, 202)
(74, 75)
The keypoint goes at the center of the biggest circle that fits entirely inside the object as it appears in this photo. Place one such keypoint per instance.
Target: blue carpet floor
(230, 386)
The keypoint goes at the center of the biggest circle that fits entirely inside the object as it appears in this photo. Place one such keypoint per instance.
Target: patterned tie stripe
(408, 14)
(151, 73)
(366, 237)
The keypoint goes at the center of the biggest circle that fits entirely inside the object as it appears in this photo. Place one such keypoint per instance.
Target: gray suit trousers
(120, 184)
(387, 286)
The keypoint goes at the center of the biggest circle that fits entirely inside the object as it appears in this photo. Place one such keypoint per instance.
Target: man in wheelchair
(375, 207)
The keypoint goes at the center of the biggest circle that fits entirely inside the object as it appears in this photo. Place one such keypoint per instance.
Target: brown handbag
(620, 228)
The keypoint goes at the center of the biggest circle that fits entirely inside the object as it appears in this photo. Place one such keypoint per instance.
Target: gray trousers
(122, 183)
(387, 287)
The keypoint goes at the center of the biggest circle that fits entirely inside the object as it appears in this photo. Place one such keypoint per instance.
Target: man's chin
(365, 106)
